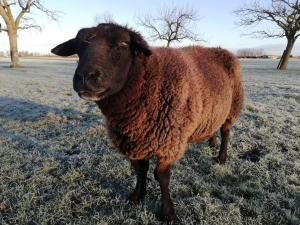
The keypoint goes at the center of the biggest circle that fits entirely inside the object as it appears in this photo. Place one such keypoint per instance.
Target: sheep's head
(105, 55)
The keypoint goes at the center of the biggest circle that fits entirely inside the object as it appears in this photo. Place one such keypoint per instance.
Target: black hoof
(167, 214)
(222, 159)
(135, 198)
(219, 160)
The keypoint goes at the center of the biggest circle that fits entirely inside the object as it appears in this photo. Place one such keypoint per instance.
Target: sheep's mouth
(97, 96)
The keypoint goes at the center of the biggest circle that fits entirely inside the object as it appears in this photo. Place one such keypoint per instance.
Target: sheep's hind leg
(162, 174)
(213, 141)
(141, 168)
(225, 130)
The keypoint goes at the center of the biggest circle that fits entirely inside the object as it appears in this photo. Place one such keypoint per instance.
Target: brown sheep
(156, 100)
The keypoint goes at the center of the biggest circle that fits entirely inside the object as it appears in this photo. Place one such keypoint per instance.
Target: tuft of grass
(222, 171)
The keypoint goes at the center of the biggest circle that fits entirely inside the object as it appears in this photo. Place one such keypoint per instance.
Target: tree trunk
(286, 54)
(168, 43)
(13, 44)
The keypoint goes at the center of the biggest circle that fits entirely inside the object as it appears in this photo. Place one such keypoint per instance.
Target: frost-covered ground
(50, 173)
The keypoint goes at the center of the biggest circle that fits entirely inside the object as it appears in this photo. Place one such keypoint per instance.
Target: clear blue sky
(217, 24)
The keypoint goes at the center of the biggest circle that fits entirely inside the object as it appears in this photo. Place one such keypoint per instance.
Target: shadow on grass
(24, 110)
(4, 64)
(18, 113)
(24, 114)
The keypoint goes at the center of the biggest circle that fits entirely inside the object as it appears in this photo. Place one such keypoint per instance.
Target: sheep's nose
(94, 77)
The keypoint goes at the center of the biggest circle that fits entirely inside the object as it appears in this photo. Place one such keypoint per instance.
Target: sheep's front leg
(162, 174)
(141, 168)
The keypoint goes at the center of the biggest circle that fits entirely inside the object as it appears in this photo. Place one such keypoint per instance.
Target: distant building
(273, 57)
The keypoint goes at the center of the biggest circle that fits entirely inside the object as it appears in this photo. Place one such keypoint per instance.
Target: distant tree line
(251, 53)
(255, 53)
(26, 54)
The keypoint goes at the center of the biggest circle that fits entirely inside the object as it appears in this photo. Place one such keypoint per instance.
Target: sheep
(156, 100)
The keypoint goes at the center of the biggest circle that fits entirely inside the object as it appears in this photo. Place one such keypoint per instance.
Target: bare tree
(171, 25)
(22, 21)
(283, 14)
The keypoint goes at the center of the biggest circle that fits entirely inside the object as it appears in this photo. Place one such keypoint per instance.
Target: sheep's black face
(105, 55)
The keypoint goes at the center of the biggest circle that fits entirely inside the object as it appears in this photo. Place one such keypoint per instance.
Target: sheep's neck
(129, 98)
(129, 112)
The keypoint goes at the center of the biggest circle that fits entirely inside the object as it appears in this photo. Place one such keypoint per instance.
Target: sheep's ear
(65, 49)
(138, 44)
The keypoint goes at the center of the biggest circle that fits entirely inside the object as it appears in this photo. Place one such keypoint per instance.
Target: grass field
(51, 174)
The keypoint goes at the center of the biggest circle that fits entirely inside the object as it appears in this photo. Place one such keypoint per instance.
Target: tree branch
(6, 6)
(26, 27)
(266, 34)
(273, 18)
(147, 24)
(53, 15)
(25, 9)
(288, 3)
(3, 13)
(3, 29)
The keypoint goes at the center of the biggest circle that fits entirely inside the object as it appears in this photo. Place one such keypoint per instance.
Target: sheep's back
(199, 81)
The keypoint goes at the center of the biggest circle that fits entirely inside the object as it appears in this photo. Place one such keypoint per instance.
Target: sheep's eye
(86, 41)
(123, 44)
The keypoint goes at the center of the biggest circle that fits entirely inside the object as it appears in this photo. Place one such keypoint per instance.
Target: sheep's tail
(238, 92)
(233, 68)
